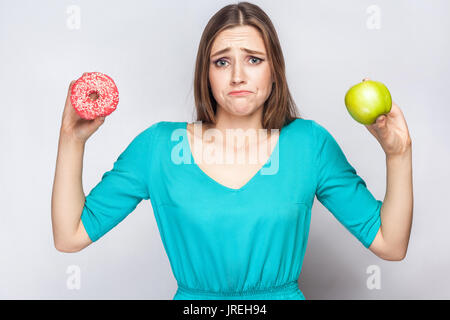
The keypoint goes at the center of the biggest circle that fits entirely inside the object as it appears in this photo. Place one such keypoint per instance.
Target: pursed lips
(239, 92)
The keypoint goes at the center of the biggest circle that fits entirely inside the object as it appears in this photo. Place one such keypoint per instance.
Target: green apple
(367, 100)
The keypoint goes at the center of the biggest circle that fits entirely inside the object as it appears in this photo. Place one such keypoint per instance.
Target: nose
(237, 74)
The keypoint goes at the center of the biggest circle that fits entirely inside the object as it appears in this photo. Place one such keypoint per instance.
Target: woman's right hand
(73, 125)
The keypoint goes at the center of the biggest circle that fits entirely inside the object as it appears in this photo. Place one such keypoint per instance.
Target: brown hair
(279, 108)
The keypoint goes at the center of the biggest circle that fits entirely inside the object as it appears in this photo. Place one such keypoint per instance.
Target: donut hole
(93, 95)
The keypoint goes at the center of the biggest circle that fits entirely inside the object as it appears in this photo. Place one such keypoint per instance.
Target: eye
(223, 60)
(260, 60)
(218, 61)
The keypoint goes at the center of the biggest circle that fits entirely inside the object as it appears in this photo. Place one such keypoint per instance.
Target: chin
(242, 111)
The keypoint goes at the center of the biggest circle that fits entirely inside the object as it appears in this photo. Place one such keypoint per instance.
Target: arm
(397, 209)
(68, 196)
(392, 133)
(382, 227)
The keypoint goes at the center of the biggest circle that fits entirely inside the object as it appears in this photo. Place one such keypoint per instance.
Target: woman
(235, 230)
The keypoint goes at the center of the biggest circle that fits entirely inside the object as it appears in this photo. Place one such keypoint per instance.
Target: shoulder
(159, 133)
(306, 128)
(311, 133)
(313, 128)
(299, 124)
(161, 127)
(148, 140)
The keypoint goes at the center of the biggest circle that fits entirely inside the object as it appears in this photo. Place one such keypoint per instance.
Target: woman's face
(240, 70)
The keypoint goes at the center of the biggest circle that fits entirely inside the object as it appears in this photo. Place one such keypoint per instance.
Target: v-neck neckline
(218, 184)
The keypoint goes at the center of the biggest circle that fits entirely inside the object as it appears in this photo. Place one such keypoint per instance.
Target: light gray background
(149, 49)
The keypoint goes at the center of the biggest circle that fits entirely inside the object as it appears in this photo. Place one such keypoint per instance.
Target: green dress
(225, 243)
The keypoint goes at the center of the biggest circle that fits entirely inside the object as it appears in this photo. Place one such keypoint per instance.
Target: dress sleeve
(342, 191)
(121, 189)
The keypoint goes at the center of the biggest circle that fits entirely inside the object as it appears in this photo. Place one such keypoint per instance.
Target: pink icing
(106, 89)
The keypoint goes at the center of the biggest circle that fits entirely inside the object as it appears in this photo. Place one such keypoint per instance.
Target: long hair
(279, 108)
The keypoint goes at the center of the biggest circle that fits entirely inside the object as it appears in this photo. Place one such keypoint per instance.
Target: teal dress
(225, 243)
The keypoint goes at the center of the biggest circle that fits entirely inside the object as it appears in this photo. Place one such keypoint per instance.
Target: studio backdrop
(149, 49)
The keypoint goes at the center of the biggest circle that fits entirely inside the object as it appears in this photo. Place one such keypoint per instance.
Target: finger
(373, 130)
(395, 106)
(71, 84)
(69, 91)
(369, 127)
(395, 110)
(97, 122)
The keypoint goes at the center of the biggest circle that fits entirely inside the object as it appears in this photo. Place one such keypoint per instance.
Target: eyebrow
(242, 49)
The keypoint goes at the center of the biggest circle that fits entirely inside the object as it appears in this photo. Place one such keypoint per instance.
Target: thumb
(380, 123)
(381, 119)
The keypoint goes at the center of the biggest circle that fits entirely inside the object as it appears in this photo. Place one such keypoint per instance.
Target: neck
(226, 121)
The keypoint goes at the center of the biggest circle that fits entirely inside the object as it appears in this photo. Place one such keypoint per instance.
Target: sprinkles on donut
(94, 95)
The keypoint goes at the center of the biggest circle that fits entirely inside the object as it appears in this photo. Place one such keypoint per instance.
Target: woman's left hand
(391, 131)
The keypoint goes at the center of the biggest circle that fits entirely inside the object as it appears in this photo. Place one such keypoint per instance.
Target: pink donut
(94, 95)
